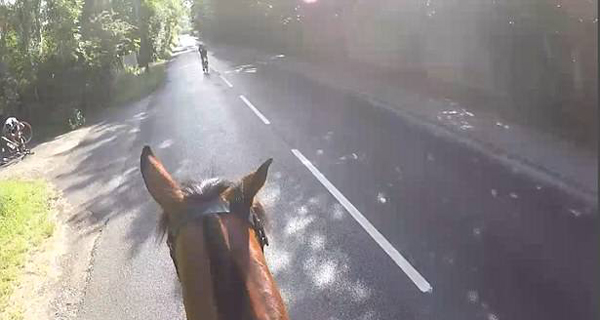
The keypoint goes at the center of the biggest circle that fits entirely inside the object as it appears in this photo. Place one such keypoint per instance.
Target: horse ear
(253, 182)
(159, 182)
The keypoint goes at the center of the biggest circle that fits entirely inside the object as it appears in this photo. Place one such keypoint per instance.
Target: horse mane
(230, 293)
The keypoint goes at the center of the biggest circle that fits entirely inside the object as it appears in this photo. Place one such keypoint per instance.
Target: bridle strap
(259, 228)
(218, 207)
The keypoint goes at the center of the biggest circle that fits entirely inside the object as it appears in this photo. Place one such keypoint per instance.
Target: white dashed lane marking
(387, 247)
(226, 81)
(408, 269)
(256, 111)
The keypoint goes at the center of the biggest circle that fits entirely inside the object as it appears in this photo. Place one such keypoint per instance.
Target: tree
(65, 52)
(158, 25)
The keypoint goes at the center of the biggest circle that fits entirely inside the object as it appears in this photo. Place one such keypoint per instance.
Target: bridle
(217, 206)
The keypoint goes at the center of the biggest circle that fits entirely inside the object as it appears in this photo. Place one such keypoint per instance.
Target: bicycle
(205, 65)
(76, 120)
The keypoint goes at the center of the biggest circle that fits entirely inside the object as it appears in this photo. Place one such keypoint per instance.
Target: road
(371, 217)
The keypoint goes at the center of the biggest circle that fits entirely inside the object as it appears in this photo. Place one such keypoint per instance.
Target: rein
(218, 207)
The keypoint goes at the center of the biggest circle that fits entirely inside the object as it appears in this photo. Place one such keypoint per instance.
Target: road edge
(501, 156)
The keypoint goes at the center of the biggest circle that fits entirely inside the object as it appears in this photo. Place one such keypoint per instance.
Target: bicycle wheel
(26, 131)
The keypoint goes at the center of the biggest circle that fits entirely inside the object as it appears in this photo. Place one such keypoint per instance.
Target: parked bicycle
(76, 119)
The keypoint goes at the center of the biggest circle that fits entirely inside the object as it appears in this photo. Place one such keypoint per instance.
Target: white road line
(253, 108)
(408, 269)
(226, 81)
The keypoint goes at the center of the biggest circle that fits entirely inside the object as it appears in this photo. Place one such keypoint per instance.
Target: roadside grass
(134, 83)
(24, 224)
(131, 84)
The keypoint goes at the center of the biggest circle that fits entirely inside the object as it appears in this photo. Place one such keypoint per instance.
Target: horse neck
(238, 284)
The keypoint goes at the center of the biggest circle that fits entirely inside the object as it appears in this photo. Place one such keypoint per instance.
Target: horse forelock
(195, 192)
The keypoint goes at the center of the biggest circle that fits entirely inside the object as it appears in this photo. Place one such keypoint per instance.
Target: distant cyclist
(203, 57)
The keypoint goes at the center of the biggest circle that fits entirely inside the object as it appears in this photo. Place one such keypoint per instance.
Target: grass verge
(24, 224)
(133, 83)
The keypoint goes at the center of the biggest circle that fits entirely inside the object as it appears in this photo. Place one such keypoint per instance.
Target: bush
(132, 83)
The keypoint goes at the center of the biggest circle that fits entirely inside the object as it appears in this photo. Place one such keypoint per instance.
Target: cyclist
(13, 135)
(11, 129)
(203, 57)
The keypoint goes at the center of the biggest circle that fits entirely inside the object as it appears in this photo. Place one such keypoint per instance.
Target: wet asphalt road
(492, 242)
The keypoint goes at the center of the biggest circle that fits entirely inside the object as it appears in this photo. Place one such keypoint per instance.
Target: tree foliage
(56, 53)
(159, 20)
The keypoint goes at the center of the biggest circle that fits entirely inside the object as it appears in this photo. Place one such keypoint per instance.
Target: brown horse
(216, 237)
